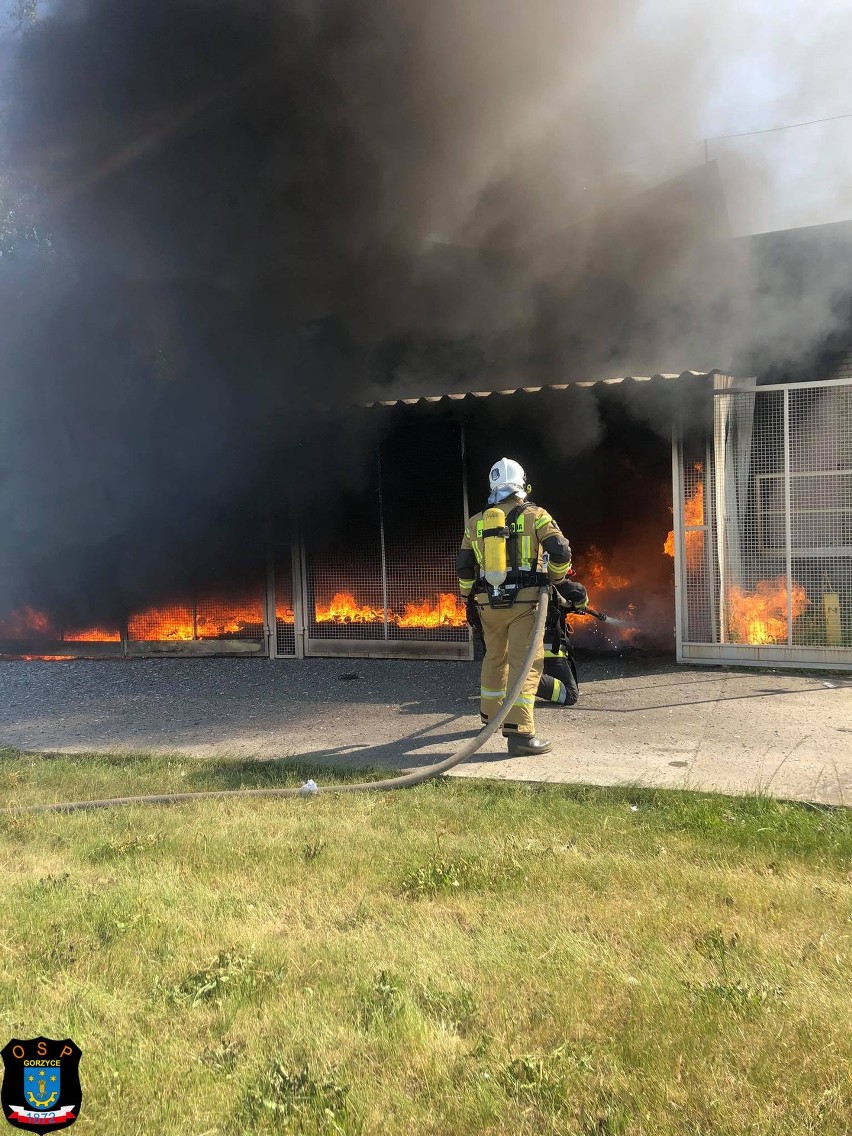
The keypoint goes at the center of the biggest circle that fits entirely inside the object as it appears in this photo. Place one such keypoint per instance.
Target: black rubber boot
(527, 745)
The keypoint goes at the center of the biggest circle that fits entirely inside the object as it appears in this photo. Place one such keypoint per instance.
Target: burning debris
(446, 611)
(759, 616)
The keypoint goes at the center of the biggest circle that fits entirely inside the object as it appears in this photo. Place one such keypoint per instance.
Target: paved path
(646, 722)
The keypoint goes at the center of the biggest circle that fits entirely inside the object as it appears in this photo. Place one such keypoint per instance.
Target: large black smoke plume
(236, 214)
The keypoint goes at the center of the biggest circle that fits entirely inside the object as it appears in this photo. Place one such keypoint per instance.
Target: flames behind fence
(693, 518)
(222, 615)
(445, 610)
(230, 617)
(755, 616)
(759, 617)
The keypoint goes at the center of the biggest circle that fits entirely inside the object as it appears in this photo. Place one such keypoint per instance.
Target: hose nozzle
(599, 615)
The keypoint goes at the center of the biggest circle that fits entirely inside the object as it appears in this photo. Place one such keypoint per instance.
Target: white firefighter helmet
(506, 479)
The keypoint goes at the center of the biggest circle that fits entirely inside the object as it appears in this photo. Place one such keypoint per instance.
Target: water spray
(616, 622)
(602, 617)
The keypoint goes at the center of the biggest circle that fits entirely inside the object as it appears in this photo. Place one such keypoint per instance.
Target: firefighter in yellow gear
(505, 553)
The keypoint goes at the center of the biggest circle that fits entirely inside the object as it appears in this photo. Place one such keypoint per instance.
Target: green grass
(463, 957)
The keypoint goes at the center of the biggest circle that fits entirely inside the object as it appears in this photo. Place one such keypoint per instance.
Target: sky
(771, 63)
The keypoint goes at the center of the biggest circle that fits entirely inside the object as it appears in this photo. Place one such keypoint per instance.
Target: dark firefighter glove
(574, 594)
(472, 609)
(474, 619)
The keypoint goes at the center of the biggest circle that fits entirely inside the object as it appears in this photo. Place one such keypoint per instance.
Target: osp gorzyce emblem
(41, 1083)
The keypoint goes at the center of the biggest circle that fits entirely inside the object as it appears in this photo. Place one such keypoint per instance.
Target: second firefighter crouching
(559, 685)
(506, 611)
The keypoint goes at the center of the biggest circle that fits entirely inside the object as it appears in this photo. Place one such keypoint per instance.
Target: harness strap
(515, 578)
(511, 519)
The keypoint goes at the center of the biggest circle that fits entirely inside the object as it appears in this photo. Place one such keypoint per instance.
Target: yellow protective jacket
(535, 531)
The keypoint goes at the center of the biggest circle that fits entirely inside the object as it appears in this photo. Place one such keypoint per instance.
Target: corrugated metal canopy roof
(459, 396)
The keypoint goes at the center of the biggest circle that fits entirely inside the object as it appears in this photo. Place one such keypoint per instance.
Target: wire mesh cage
(230, 613)
(380, 568)
(820, 507)
(778, 534)
(285, 616)
(280, 598)
(749, 454)
(699, 574)
(28, 624)
(222, 611)
(217, 612)
(32, 633)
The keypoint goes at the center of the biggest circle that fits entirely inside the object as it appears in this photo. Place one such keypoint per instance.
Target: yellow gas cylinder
(494, 559)
(831, 610)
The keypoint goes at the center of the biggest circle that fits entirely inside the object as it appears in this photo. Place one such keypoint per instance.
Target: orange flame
(601, 581)
(175, 622)
(92, 635)
(594, 573)
(446, 611)
(213, 620)
(42, 658)
(27, 621)
(760, 617)
(693, 514)
(161, 623)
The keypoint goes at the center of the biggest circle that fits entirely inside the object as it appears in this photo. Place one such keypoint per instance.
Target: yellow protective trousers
(507, 632)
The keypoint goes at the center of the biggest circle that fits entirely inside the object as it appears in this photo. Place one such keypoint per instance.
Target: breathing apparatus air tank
(494, 533)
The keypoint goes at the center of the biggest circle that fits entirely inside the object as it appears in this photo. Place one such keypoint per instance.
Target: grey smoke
(257, 209)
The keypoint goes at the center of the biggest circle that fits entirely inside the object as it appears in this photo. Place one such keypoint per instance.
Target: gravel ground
(641, 721)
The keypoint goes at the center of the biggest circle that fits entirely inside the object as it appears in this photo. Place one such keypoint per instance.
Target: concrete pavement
(643, 721)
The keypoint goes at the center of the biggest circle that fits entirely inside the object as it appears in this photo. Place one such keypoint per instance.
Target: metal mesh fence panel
(343, 568)
(820, 491)
(778, 537)
(423, 521)
(27, 623)
(281, 594)
(168, 622)
(230, 614)
(285, 630)
(749, 454)
(381, 567)
(214, 613)
(699, 577)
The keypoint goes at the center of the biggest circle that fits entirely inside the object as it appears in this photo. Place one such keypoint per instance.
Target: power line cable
(773, 129)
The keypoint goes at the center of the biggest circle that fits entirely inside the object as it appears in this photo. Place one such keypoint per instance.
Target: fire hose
(404, 781)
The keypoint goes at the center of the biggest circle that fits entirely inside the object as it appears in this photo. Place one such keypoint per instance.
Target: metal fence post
(788, 520)
(382, 548)
(270, 622)
(710, 573)
(298, 575)
(679, 543)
